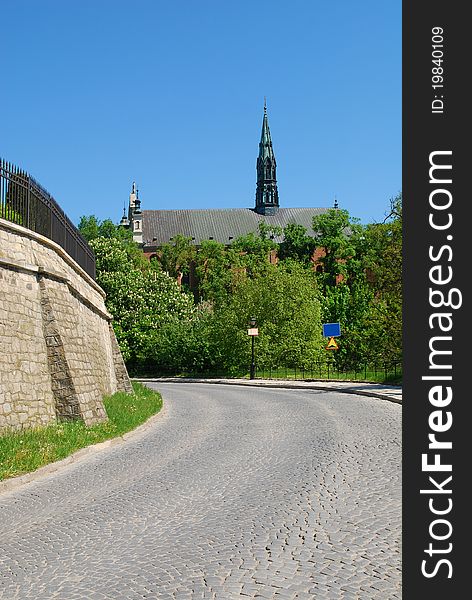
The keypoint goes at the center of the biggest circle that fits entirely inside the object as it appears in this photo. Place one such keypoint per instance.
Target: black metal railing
(25, 202)
(374, 371)
(380, 371)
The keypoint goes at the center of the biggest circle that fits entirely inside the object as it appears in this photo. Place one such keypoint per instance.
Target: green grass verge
(26, 451)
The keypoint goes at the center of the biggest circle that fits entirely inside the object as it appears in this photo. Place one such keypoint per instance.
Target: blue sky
(99, 93)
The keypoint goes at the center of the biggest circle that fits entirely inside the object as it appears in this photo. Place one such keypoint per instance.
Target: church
(152, 228)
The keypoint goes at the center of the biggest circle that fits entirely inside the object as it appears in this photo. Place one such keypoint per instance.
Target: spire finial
(336, 205)
(265, 105)
(133, 189)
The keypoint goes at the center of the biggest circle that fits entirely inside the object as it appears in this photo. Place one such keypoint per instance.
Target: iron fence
(378, 371)
(25, 202)
(373, 371)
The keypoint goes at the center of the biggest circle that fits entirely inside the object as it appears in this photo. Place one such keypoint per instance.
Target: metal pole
(253, 364)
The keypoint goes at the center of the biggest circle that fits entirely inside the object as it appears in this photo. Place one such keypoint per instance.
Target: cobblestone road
(232, 493)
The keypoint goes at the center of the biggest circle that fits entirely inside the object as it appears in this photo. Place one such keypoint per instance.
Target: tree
(286, 305)
(366, 300)
(336, 232)
(177, 255)
(213, 267)
(254, 244)
(297, 244)
(267, 231)
(350, 305)
(91, 228)
(251, 253)
(384, 256)
(141, 299)
(383, 263)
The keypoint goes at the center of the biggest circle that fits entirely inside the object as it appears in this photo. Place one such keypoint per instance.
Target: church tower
(135, 216)
(267, 195)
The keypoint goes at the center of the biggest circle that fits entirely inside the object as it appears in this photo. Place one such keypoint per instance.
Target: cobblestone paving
(233, 493)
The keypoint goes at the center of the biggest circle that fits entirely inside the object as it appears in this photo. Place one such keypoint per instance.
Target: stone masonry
(58, 352)
(62, 385)
(121, 373)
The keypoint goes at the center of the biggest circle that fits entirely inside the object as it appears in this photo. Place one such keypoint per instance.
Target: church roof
(222, 225)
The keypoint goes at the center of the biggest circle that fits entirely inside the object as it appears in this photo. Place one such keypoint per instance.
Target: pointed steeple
(124, 219)
(267, 195)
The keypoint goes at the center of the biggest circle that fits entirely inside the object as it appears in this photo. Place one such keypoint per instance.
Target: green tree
(141, 299)
(286, 305)
(267, 231)
(91, 228)
(336, 234)
(297, 244)
(350, 305)
(366, 300)
(177, 256)
(251, 253)
(214, 269)
(383, 263)
(254, 244)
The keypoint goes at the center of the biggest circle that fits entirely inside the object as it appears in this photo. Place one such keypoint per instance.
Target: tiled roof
(222, 225)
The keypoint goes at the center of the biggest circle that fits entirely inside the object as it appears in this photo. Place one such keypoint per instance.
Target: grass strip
(25, 451)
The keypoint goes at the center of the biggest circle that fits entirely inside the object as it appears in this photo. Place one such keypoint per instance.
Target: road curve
(233, 493)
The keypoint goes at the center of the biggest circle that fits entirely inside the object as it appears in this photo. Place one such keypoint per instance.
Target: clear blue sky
(99, 93)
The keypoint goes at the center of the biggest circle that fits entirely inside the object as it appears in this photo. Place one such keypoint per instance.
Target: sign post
(253, 331)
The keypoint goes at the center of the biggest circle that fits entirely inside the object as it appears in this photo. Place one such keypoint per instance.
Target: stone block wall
(58, 352)
(26, 397)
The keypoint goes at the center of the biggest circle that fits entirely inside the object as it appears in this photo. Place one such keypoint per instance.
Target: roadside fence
(372, 371)
(25, 202)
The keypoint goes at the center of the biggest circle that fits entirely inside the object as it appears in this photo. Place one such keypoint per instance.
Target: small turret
(137, 215)
(124, 219)
(132, 201)
(134, 220)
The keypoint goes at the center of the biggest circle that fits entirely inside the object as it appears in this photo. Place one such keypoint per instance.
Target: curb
(392, 394)
(13, 483)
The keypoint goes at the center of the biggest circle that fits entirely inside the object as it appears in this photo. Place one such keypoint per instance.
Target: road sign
(253, 331)
(332, 345)
(331, 330)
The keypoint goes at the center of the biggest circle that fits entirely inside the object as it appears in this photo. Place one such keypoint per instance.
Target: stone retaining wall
(58, 352)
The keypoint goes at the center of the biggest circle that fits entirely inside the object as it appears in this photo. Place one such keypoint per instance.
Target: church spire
(267, 195)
